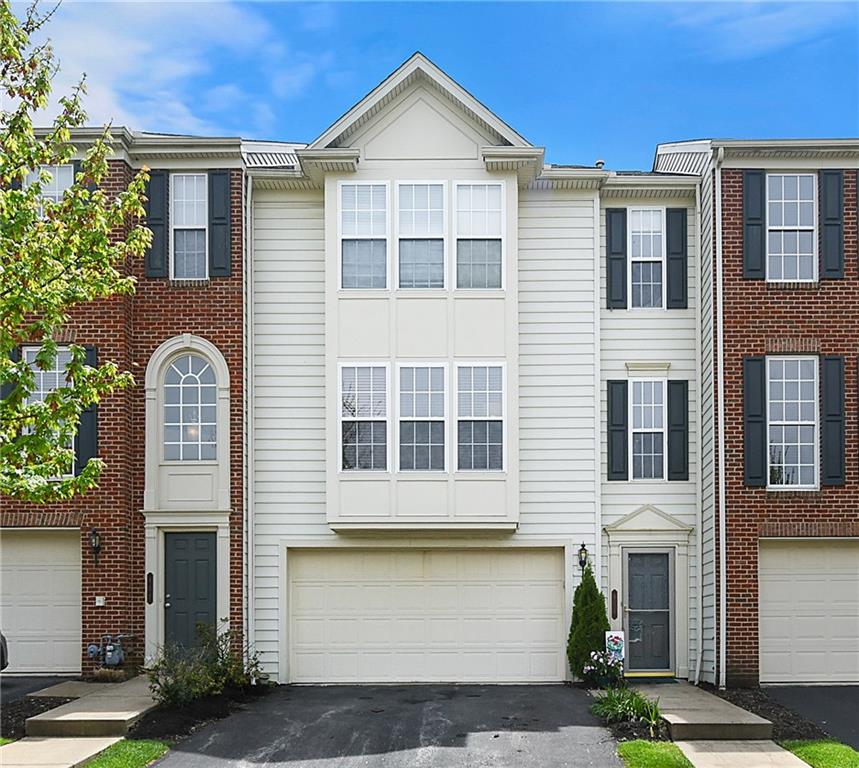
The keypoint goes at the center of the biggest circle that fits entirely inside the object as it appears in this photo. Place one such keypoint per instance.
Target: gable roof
(417, 68)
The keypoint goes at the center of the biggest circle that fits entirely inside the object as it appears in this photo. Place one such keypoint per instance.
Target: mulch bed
(173, 724)
(14, 716)
(787, 724)
(630, 731)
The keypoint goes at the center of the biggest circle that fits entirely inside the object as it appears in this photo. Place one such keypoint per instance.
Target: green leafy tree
(589, 623)
(54, 256)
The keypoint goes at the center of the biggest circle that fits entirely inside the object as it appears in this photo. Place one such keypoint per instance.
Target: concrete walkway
(53, 753)
(732, 754)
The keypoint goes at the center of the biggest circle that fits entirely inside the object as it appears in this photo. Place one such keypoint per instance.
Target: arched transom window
(190, 410)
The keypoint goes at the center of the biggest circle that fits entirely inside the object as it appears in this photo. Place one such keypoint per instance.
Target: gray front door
(190, 585)
(648, 611)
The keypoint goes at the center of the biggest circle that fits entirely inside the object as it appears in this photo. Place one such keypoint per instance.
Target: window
(189, 225)
(647, 246)
(364, 232)
(792, 396)
(480, 417)
(422, 414)
(190, 410)
(648, 430)
(791, 213)
(478, 236)
(421, 235)
(364, 417)
(46, 381)
(62, 178)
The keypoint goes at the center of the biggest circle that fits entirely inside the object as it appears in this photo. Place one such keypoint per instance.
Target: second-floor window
(188, 226)
(647, 249)
(364, 236)
(62, 177)
(792, 396)
(791, 214)
(479, 232)
(190, 410)
(648, 443)
(421, 235)
(422, 418)
(364, 417)
(480, 417)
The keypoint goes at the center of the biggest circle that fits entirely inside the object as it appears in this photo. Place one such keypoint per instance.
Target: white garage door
(40, 600)
(426, 615)
(809, 611)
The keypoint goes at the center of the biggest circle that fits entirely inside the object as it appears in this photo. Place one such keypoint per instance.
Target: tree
(54, 256)
(589, 623)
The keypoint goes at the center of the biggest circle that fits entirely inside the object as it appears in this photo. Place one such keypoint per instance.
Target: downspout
(720, 384)
(249, 416)
(699, 632)
(597, 556)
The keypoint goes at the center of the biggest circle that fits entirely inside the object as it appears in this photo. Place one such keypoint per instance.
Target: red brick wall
(762, 318)
(127, 330)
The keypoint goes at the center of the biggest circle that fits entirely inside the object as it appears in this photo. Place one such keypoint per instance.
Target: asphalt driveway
(835, 708)
(537, 726)
(17, 687)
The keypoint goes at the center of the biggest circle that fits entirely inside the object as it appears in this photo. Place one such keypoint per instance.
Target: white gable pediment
(648, 518)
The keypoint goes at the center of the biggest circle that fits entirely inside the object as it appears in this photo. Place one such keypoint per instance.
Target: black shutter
(832, 421)
(754, 224)
(8, 386)
(156, 220)
(219, 224)
(615, 247)
(618, 426)
(755, 420)
(678, 430)
(678, 255)
(831, 224)
(77, 165)
(86, 440)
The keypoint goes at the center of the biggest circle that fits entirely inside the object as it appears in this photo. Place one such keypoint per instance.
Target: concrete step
(53, 753)
(731, 754)
(694, 714)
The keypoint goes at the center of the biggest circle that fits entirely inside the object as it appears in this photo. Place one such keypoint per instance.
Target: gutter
(720, 383)
(699, 634)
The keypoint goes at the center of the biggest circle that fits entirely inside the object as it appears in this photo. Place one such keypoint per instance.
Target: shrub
(618, 705)
(181, 675)
(589, 623)
(603, 670)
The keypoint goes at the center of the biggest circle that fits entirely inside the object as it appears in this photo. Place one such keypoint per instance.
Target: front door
(648, 611)
(190, 585)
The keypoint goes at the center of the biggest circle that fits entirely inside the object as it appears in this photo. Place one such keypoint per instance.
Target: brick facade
(765, 318)
(127, 330)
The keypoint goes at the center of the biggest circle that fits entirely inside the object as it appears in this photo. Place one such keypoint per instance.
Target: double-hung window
(791, 216)
(189, 226)
(792, 397)
(647, 249)
(421, 235)
(649, 436)
(422, 418)
(479, 234)
(48, 380)
(62, 177)
(364, 235)
(480, 417)
(364, 417)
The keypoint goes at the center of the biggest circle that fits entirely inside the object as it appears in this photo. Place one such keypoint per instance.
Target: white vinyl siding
(791, 227)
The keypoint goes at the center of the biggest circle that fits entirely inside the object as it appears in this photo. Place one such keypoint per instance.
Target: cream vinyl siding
(655, 336)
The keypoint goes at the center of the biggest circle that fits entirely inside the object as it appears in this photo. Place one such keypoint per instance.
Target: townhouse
(395, 386)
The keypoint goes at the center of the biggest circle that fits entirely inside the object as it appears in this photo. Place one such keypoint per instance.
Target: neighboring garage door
(40, 600)
(426, 615)
(809, 611)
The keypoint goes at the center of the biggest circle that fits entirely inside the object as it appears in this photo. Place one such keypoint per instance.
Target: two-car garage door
(809, 611)
(40, 599)
(426, 615)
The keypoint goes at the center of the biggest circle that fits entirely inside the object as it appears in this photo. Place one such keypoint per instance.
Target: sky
(587, 81)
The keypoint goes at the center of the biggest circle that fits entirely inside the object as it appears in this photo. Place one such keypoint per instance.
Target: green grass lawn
(4, 740)
(824, 754)
(129, 754)
(651, 754)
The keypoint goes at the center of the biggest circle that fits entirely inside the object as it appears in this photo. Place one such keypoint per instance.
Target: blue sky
(586, 80)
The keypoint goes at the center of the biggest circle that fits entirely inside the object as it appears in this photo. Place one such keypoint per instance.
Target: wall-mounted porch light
(95, 543)
(583, 556)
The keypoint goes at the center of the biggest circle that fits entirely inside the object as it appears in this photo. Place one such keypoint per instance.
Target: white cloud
(745, 29)
(150, 65)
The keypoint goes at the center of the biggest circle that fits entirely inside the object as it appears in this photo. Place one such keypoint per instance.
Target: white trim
(663, 383)
(340, 236)
(443, 365)
(445, 236)
(341, 364)
(502, 364)
(650, 259)
(782, 487)
(172, 225)
(454, 214)
(813, 228)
